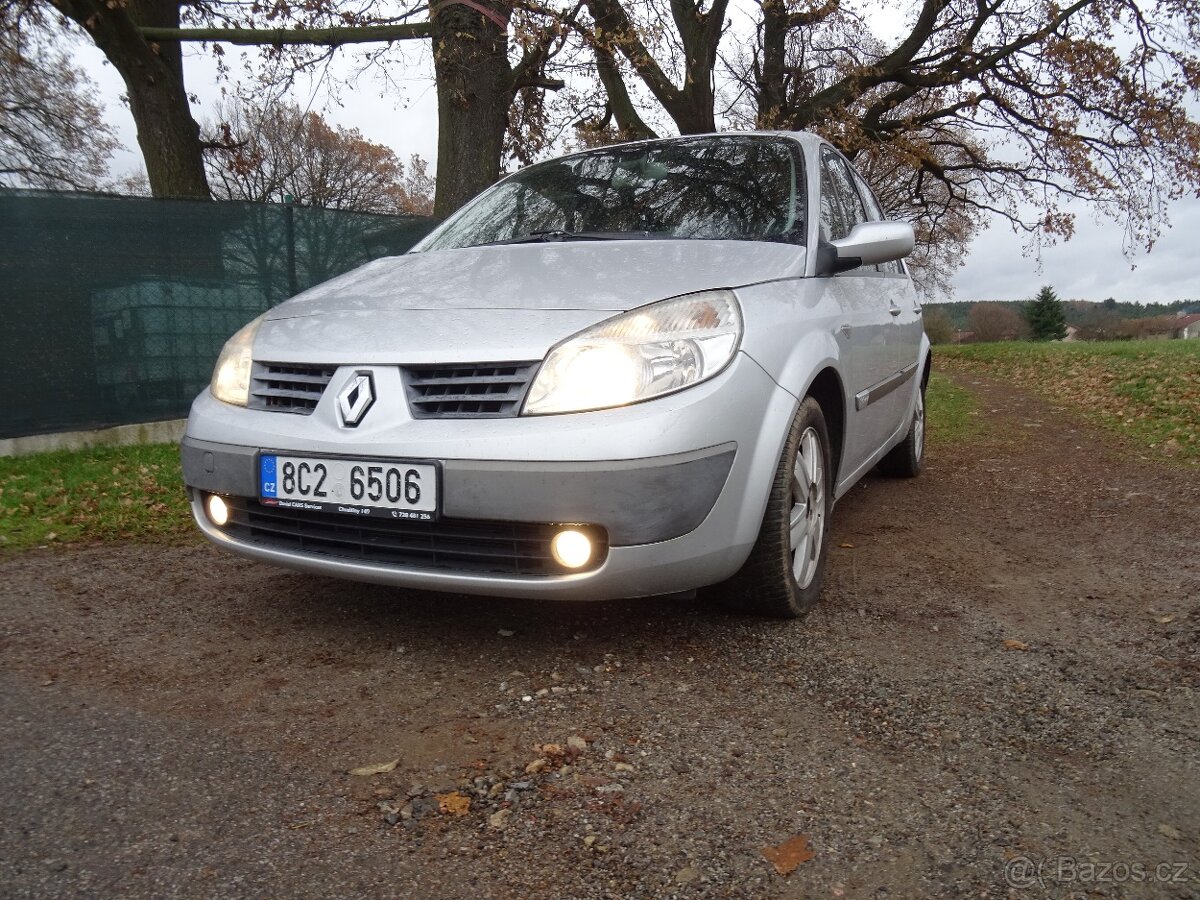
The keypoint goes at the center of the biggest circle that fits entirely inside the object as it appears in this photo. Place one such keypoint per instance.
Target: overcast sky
(1091, 266)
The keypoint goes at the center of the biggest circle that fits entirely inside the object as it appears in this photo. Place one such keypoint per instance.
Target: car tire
(782, 576)
(906, 459)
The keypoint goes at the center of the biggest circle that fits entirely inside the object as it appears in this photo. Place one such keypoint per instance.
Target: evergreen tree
(1046, 315)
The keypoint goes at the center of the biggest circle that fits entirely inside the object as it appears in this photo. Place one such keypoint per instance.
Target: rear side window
(841, 206)
(874, 210)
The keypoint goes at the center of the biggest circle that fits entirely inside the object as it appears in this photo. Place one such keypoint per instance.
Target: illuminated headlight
(644, 353)
(231, 376)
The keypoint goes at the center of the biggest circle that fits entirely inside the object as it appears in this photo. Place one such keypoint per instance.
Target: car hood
(607, 275)
(504, 302)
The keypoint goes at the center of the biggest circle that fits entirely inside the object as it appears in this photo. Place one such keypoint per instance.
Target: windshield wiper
(551, 237)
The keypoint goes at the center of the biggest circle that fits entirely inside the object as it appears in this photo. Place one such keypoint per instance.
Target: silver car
(637, 370)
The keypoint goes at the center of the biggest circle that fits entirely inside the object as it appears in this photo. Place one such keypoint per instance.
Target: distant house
(1180, 326)
(1071, 332)
(1186, 326)
(964, 337)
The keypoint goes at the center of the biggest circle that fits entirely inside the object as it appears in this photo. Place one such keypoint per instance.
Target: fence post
(289, 223)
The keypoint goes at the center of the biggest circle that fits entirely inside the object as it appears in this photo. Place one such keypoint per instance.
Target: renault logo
(356, 398)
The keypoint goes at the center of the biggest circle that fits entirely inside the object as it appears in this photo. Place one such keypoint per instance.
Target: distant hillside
(1082, 313)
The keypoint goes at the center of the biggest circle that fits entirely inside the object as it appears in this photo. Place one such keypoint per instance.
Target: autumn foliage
(270, 153)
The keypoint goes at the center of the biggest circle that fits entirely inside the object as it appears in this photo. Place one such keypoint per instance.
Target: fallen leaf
(789, 854)
(454, 803)
(1010, 644)
(846, 545)
(1165, 620)
(1169, 831)
(376, 768)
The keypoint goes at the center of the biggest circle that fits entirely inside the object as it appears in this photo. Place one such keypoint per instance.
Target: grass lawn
(951, 413)
(104, 493)
(1146, 391)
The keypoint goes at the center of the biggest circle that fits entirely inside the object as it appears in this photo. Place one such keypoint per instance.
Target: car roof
(804, 138)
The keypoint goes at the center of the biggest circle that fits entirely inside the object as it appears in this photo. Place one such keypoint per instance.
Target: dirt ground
(996, 697)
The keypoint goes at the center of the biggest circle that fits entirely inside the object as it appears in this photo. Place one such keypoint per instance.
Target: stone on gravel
(687, 875)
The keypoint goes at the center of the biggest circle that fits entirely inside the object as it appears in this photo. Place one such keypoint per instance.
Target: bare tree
(477, 81)
(52, 133)
(975, 109)
(266, 153)
(938, 326)
(996, 322)
(168, 135)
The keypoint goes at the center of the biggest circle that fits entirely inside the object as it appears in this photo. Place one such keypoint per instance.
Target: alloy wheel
(807, 519)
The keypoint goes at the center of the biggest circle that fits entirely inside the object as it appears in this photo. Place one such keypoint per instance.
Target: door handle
(895, 310)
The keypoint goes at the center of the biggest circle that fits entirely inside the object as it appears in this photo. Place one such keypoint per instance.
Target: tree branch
(349, 34)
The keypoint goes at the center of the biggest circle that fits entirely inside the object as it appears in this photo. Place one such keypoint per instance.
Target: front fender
(790, 332)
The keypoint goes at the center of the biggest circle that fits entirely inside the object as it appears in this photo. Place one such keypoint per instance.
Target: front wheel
(782, 577)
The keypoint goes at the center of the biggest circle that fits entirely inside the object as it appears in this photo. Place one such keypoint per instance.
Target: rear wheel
(905, 460)
(783, 575)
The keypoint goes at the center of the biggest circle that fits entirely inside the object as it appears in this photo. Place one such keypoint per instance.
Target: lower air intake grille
(288, 388)
(459, 545)
(471, 391)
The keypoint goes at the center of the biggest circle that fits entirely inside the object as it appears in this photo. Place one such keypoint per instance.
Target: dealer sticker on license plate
(396, 489)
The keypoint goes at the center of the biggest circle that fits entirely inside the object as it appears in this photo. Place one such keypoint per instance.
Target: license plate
(391, 488)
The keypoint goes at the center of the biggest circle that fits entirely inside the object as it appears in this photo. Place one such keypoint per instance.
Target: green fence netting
(114, 308)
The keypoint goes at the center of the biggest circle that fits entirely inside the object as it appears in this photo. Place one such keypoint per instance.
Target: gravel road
(997, 697)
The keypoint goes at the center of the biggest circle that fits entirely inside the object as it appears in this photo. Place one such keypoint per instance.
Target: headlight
(231, 376)
(644, 353)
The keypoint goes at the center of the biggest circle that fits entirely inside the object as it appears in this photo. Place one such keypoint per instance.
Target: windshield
(710, 188)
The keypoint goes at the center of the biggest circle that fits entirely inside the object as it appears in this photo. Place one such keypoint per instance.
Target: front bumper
(676, 517)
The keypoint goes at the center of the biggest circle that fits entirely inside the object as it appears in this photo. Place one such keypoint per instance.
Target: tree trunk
(475, 91)
(771, 95)
(167, 134)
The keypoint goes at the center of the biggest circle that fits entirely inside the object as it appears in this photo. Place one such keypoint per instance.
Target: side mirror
(868, 244)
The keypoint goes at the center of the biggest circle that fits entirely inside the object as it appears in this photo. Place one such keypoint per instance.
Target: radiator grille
(287, 387)
(471, 391)
(460, 545)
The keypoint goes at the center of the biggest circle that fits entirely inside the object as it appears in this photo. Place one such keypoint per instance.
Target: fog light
(218, 509)
(572, 549)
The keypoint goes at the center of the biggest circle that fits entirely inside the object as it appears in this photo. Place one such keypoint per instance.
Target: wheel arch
(827, 389)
